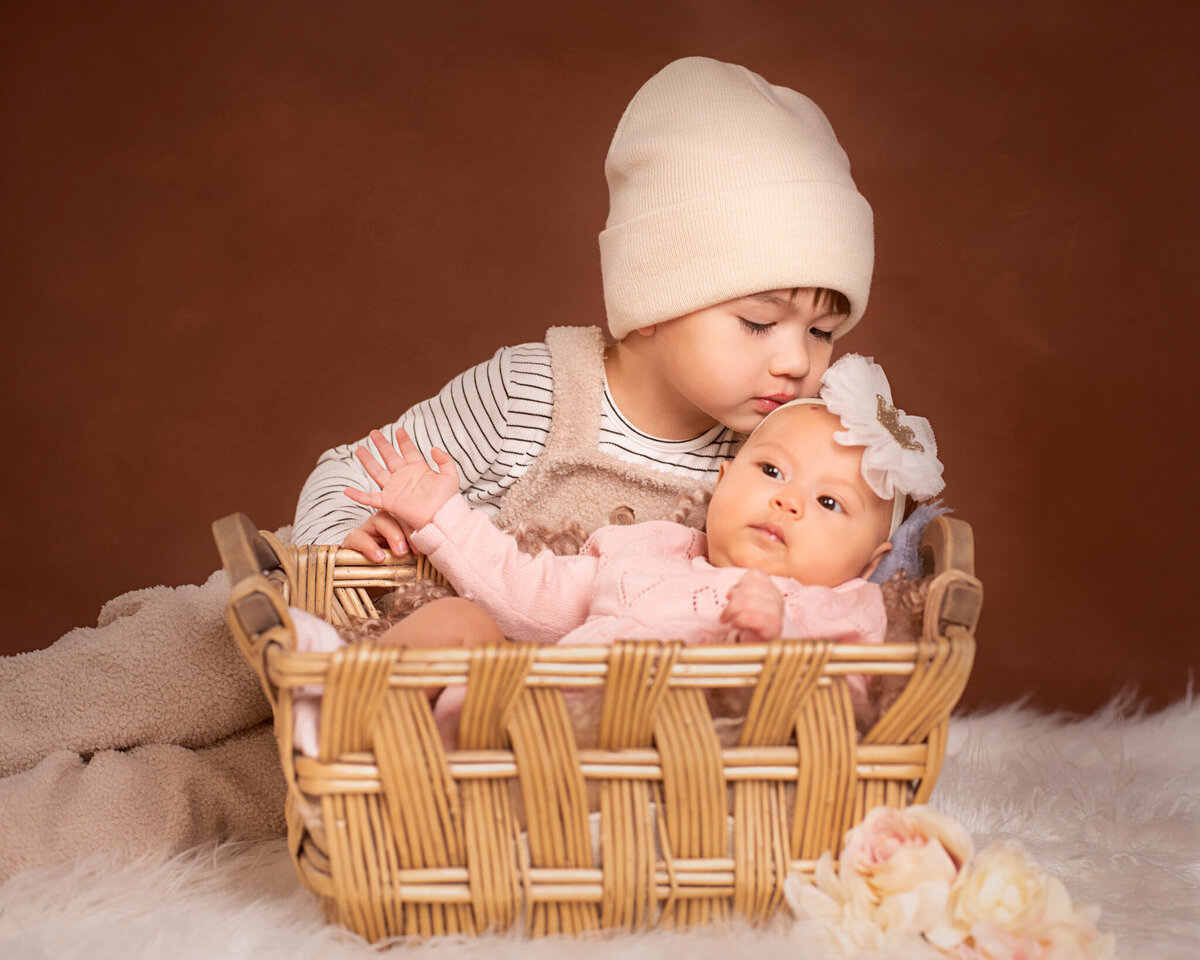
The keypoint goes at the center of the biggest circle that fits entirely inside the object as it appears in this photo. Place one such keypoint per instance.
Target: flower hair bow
(900, 454)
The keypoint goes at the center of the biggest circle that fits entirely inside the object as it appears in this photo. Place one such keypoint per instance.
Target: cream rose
(1008, 909)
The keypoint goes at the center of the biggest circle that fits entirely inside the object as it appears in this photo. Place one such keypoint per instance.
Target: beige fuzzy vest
(573, 481)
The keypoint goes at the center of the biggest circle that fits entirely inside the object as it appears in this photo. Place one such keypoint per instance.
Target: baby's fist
(755, 608)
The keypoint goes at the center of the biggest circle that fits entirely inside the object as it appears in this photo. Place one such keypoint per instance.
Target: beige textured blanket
(145, 732)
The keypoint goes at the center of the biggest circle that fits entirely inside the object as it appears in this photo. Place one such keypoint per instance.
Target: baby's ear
(721, 470)
(876, 557)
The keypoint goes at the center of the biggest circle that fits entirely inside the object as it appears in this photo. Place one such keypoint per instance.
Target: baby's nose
(789, 505)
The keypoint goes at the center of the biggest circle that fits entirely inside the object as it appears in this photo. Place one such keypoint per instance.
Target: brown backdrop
(235, 234)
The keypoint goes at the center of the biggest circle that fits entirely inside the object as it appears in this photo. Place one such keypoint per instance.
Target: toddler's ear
(721, 470)
(876, 557)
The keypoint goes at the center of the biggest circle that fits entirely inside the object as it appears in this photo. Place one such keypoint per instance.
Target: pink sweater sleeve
(852, 612)
(533, 598)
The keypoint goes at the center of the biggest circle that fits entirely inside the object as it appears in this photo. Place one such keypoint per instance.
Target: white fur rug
(1110, 803)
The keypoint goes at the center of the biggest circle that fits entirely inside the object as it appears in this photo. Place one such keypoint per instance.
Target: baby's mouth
(771, 531)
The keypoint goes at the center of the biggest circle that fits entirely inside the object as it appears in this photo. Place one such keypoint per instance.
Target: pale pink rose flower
(893, 879)
(901, 853)
(823, 911)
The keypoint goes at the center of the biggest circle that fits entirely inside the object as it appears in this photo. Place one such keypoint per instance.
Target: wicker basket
(400, 837)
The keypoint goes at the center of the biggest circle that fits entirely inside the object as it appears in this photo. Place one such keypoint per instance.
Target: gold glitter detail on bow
(886, 414)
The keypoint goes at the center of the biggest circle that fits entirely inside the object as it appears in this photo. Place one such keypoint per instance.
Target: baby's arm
(537, 598)
(852, 612)
(755, 608)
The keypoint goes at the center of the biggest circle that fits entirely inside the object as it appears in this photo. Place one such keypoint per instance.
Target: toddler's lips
(767, 404)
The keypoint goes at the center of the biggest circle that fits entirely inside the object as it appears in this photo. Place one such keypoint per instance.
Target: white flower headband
(899, 451)
(900, 454)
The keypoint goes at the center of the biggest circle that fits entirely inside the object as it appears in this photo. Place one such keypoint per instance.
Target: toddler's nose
(791, 358)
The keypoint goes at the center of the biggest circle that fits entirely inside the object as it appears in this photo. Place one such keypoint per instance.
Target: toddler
(800, 517)
(737, 249)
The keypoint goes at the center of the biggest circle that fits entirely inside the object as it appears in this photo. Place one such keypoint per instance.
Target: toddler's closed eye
(756, 329)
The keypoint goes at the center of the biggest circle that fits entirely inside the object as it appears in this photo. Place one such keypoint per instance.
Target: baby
(798, 521)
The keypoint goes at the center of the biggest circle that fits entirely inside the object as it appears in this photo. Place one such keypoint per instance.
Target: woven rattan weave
(658, 824)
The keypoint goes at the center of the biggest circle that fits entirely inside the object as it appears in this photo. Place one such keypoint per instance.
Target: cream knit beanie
(722, 185)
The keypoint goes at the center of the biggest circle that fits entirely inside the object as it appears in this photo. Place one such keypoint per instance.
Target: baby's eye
(757, 329)
(825, 336)
(771, 470)
(830, 504)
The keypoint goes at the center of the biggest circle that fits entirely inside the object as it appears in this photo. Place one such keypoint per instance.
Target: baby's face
(794, 503)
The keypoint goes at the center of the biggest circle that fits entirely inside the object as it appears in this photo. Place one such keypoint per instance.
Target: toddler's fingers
(358, 539)
(389, 528)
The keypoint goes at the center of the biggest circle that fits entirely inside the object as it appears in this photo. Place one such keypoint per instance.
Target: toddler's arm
(486, 419)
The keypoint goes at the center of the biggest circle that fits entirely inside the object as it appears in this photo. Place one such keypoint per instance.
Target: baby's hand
(755, 608)
(409, 490)
(378, 531)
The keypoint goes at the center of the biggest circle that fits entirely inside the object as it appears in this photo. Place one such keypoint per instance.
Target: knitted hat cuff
(677, 259)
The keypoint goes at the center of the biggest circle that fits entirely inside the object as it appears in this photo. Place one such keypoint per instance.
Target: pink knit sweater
(644, 581)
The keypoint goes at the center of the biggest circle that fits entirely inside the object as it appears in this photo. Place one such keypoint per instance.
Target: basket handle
(956, 595)
(244, 551)
(947, 544)
(245, 554)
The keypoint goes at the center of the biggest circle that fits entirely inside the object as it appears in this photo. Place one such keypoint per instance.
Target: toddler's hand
(409, 490)
(755, 608)
(379, 531)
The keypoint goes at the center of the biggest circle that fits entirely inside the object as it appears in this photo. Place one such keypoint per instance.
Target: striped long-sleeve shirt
(493, 420)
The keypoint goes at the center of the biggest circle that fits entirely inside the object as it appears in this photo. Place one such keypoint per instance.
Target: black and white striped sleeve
(492, 420)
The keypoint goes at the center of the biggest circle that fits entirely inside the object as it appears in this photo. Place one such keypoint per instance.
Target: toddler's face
(739, 360)
(794, 503)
